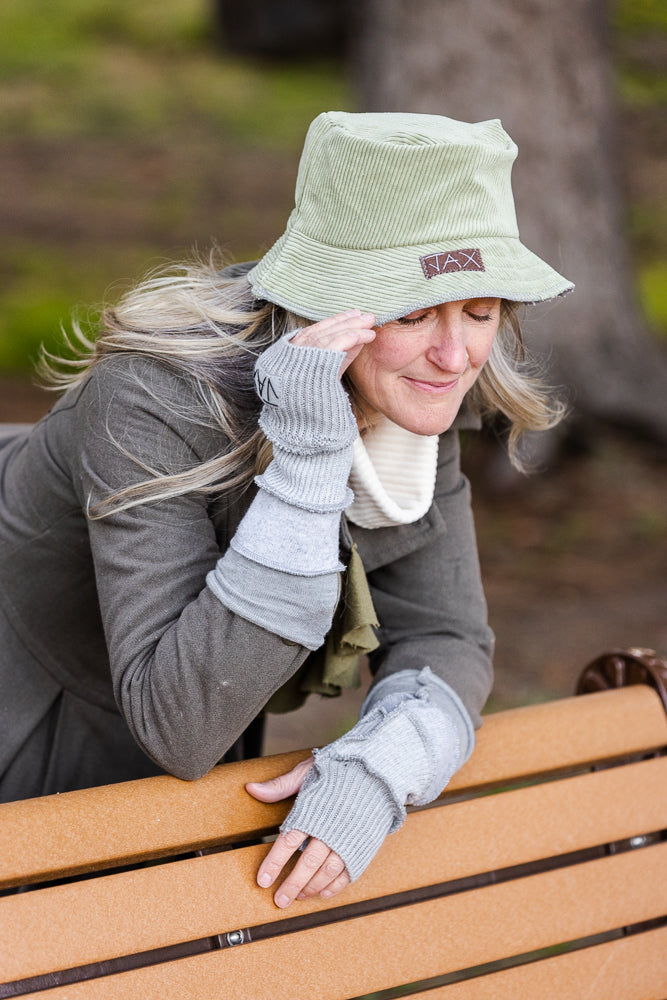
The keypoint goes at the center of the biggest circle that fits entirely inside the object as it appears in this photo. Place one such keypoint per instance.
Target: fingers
(318, 870)
(347, 331)
(329, 879)
(281, 851)
(282, 786)
(327, 331)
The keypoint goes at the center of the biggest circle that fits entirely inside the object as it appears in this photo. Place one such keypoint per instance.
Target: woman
(255, 476)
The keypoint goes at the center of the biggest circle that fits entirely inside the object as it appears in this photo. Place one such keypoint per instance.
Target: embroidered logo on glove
(268, 389)
(451, 260)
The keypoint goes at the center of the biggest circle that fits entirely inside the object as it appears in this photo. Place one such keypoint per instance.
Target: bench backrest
(551, 837)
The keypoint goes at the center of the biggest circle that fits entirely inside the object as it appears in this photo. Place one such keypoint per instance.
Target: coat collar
(379, 546)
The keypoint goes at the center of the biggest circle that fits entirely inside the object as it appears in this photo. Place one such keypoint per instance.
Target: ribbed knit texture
(392, 477)
(403, 751)
(374, 193)
(308, 418)
(346, 808)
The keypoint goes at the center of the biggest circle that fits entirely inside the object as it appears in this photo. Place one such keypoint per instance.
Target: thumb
(282, 786)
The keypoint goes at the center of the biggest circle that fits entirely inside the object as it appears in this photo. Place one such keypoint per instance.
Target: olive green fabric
(335, 666)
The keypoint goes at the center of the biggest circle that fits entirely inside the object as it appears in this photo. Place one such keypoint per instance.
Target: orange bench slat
(103, 918)
(94, 828)
(405, 945)
(629, 968)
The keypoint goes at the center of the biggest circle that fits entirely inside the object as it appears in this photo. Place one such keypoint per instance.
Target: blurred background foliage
(131, 136)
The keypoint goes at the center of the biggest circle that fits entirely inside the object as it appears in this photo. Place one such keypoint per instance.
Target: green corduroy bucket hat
(396, 212)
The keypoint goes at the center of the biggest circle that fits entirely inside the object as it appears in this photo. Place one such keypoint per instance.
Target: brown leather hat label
(451, 260)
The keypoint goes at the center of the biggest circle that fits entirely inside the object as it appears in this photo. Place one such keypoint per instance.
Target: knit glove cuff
(306, 409)
(395, 688)
(308, 418)
(346, 807)
(316, 483)
(355, 794)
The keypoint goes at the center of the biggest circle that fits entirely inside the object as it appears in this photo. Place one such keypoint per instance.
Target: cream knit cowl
(392, 477)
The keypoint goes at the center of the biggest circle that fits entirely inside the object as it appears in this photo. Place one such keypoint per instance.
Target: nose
(448, 347)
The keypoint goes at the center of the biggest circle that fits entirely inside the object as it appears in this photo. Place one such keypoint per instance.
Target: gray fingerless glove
(281, 569)
(308, 418)
(402, 752)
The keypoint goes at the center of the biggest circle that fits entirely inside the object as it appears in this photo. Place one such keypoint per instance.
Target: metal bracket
(621, 667)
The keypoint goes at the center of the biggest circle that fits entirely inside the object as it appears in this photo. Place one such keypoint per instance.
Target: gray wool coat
(116, 660)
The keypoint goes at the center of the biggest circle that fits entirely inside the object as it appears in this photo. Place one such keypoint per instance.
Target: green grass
(43, 287)
(635, 17)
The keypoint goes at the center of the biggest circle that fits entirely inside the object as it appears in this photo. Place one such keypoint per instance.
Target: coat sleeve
(188, 674)
(430, 601)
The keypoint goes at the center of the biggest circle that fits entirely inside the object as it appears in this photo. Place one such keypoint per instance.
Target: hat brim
(315, 281)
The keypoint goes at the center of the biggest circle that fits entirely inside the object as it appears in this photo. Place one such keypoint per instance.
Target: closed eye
(413, 320)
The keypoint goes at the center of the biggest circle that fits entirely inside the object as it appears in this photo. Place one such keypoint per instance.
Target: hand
(347, 331)
(318, 870)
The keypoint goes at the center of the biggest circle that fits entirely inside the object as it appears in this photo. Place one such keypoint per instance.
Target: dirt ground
(574, 562)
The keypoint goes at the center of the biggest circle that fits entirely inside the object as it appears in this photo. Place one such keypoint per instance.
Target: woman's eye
(412, 320)
(479, 318)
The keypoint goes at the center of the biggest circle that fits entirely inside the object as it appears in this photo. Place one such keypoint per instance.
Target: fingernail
(264, 880)
(282, 900)
(326, 893)
(352, 312)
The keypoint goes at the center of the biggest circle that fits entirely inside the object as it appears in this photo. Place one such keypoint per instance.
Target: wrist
(347, 808)
(289, 538)
(398, 687)
(316, 483)
(306, 409)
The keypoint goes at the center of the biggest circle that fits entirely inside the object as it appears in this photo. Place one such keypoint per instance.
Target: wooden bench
(541, 873)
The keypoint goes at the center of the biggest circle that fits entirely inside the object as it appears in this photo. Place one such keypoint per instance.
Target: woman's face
(419, 367)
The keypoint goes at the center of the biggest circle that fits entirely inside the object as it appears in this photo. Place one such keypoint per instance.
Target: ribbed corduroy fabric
(375, 194)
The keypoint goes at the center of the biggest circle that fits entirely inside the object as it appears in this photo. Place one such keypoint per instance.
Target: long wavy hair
(204, 323)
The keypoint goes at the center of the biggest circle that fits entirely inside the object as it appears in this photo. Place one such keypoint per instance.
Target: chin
(428, 427)
(431, 420)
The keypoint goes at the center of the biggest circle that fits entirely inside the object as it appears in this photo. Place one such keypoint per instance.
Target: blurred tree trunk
(283, 29)
(545, 70)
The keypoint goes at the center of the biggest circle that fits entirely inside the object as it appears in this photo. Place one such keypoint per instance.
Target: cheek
(480, 350)
(392, 351)
(376, 360)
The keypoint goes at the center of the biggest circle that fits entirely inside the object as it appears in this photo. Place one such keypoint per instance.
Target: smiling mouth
(433, 387)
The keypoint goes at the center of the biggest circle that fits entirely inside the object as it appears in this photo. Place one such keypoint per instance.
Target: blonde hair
(205, 324)
(512, 385)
